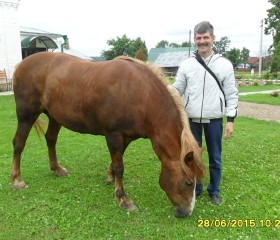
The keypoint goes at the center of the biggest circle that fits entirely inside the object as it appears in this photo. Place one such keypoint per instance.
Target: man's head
(204, 38)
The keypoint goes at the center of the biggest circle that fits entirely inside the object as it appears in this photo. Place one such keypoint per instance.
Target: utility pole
(260, 59)
(190, 33)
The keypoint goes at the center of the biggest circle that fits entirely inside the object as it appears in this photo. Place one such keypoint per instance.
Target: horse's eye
(189, 182)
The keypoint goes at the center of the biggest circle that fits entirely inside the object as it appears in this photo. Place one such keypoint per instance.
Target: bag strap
(200, 60)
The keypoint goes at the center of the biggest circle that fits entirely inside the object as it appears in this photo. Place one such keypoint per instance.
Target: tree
(234, 56)
(166, 44)
(124, 46)
(244, 55)
(273, 27)
(187, 44)
(174, 45)
(223, 45)
(162, 44)
(142, 54)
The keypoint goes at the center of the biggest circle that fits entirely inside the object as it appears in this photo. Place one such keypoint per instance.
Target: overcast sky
(90, 23)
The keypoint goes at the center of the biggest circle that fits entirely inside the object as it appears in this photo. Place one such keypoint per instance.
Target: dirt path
(259, 111)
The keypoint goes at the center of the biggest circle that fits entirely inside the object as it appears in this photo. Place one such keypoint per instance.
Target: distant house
(169, 58)
(254, 62)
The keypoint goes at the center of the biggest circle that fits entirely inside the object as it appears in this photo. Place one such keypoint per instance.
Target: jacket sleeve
(231, 93)
(181, 80)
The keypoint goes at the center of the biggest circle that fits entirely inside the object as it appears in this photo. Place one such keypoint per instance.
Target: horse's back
(91, 97)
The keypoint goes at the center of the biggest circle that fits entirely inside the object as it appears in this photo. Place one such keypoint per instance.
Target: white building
(18, 42)
(10, 49)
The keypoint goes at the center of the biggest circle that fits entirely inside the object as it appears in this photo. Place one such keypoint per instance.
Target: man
(206, 102)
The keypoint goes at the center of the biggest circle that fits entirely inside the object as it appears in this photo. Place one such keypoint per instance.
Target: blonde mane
(188, 142)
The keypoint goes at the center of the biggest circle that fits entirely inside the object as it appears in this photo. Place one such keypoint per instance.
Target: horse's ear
(189, 158)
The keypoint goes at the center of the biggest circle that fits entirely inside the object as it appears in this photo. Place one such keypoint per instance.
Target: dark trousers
(213, 132)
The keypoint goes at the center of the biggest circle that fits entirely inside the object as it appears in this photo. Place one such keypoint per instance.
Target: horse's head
(178, 180)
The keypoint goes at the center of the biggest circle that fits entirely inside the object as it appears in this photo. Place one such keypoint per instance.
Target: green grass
(82, 206)
(258, 88)
(261, 98)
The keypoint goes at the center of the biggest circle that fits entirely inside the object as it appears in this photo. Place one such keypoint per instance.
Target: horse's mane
(188, 142)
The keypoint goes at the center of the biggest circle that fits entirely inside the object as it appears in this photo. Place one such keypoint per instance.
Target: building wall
(10, 48)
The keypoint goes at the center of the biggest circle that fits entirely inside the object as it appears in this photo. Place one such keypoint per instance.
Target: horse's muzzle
(181, 212)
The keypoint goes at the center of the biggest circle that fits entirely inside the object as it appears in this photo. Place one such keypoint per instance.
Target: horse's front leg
(51, 139)
(110, 175)
(116, 147)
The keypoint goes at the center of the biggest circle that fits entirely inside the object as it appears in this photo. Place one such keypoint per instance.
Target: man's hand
(228, 130)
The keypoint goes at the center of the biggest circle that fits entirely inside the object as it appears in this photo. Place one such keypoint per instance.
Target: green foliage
(125, 46)
(223, 45)
(255, 83)
(81, 206)
(273, 27)
(266, 75)
(166, 44)
(162, 44)
(244, 55)
(233, 55)
(142, 54)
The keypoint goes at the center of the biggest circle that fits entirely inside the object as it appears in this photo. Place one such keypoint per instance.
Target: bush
(275, 94)
(266, 75)
(255, 83)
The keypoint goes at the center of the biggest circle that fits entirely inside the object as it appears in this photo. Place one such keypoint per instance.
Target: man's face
(204, 43)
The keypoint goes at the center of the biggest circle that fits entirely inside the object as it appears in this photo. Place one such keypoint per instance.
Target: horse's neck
(167, 142)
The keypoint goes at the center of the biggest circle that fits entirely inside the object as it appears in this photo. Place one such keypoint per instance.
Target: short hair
(204, 27)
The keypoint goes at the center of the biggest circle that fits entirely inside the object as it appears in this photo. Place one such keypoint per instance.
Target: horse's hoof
(128, 206)
(19, 185)
(61, 172)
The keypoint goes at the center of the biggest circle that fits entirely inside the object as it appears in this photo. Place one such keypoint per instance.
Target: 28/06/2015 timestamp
(235, 223)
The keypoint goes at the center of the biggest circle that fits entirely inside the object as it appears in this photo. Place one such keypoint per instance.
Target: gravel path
(259, 111)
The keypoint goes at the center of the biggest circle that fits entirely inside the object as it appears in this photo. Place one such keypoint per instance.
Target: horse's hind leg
(117, 145)
(19, 141)
(51, 139)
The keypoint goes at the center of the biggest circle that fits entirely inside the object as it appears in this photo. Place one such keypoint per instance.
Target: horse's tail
(39, 127)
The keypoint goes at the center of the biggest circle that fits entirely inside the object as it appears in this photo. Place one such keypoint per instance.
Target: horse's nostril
(181, 212)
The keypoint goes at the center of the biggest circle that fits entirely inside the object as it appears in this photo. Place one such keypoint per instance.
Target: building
(169, 59)
(17, 42)
(10, 49)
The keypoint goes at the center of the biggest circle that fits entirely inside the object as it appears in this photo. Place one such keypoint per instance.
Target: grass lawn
(82, 206)
(258, 88)
(261, 98)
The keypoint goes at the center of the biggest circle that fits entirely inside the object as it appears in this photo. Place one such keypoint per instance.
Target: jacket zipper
(204, 89)
(202, 101)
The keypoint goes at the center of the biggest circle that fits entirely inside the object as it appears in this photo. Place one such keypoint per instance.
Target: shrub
(255, 83)
(266, 76)
(275, 94)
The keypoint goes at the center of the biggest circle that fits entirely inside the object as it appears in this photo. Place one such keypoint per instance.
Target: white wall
(10, 44)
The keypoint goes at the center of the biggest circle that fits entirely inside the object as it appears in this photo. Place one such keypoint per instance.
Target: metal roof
(169, 57)
(38, 41)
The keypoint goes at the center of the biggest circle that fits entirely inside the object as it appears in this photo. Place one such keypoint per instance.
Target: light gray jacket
(202, 95)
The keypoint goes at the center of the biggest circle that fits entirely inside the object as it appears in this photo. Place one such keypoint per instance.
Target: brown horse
(122, 100)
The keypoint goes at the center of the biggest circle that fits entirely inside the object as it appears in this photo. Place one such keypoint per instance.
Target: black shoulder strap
(200, 60)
